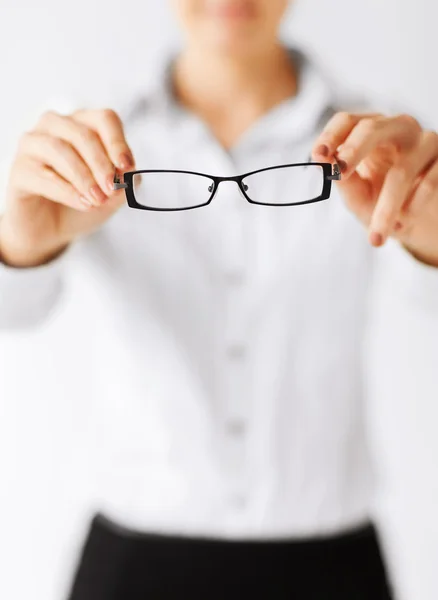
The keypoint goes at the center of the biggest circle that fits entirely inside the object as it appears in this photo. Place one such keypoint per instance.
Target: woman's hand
(60, 183)
(389, 177)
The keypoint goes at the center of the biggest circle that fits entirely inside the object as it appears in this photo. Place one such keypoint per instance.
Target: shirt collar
(304, 112)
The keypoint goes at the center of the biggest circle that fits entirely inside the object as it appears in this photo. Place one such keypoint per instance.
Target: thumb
(357, 193)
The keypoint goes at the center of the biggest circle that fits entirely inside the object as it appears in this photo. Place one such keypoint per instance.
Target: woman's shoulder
(345, 97)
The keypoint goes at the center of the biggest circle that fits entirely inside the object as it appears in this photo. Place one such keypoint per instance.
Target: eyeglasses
(282, 185)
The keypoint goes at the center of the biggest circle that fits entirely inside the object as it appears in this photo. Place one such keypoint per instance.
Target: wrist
(17, 253)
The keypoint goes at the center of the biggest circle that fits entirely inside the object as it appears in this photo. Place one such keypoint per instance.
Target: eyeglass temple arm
(336, 173)
(117, 185)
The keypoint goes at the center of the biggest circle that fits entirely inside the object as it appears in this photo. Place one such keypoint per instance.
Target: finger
(425, 192)
(402, 132)
(34, 178)
(85, 141)
(109, 126)
(61, 157)
(357, 193)
(335, 133)
(398, 185)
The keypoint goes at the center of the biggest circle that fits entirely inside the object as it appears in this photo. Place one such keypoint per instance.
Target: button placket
(235, 346)
(235, 356)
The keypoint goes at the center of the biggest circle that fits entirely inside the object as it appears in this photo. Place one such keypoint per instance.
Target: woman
(231, 456)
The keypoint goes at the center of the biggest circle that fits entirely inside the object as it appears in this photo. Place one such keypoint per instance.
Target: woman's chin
(229, 43)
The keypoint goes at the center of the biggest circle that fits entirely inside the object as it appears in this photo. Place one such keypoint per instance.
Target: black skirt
(120, 564)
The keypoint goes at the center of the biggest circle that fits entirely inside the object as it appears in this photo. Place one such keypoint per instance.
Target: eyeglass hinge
(117, 185)
(336, 173)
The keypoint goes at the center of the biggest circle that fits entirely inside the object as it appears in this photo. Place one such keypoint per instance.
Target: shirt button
(235, 277)
(239, 501)
(236, 351)
(235, 427)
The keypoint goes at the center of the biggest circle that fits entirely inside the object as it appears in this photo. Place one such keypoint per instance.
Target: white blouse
(234, 348)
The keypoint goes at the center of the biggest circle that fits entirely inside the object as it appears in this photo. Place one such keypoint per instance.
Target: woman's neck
(211, 84)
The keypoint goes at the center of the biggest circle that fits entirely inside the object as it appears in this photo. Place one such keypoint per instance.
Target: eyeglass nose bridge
(238, 179)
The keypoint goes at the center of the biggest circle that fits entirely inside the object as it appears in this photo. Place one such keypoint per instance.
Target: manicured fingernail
(376, 239)
(125, 161)
(342, 165)
(110, 183)
(86, 204)
(97, 194)
(322, 150)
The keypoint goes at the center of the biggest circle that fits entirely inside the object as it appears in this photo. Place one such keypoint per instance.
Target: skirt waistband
(122, 564)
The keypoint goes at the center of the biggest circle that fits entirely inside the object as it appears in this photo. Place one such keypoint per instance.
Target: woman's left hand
(389, 179)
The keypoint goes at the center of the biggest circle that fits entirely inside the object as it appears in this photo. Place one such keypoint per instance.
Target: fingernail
(125, 161)
(110, 183)
(342, 165)
(86, 204)
(376, 239)
(322, 150)
(97, 194)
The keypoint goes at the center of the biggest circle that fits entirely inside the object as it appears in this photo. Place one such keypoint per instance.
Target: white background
(58, 50)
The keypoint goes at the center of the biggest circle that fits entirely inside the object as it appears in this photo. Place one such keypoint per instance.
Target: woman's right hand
(60, 184)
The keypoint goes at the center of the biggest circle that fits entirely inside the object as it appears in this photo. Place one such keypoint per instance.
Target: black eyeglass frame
(128, 186)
